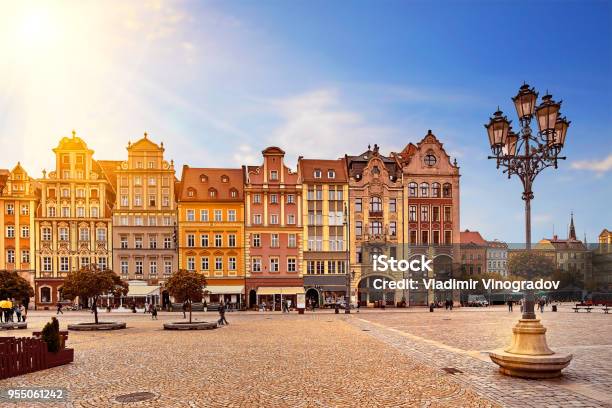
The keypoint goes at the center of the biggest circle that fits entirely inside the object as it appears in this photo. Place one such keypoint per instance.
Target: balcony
(376, 214)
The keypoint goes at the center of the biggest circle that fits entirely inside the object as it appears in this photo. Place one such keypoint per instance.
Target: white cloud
(598, 166)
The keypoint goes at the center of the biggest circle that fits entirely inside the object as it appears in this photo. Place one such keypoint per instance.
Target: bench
(578, 308)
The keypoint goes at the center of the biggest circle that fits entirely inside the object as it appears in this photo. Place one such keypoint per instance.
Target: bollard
(431, 307)
(554, 308)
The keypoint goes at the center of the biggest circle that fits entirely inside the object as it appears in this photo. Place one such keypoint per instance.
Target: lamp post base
(529, 356)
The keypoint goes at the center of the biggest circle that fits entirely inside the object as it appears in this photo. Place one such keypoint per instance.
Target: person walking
(146, 307)
(184, 309)
(23, 312)
(59, 308)
(154, 313)
(17, 313)
(509, 305)
(222, 320)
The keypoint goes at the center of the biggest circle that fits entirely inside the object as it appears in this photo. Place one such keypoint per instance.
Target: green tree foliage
(186, 286)
(51, 336)
(531, 265)
(14, 286)
(92, 282)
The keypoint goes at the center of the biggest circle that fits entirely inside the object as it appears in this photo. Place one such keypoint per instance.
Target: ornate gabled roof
(72, 143)
(307, 168)
(273, 150)
(145, 144)
(200, 181)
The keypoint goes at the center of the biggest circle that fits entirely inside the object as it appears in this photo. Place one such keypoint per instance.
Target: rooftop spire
(572, 230)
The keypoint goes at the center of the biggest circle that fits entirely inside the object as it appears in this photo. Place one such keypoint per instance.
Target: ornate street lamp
(347, 301)
(525, 154)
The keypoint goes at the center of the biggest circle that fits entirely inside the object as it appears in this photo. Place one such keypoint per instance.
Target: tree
(530, 264)
(50, 335)
(186, 286)
(93, 282)
(14, 286)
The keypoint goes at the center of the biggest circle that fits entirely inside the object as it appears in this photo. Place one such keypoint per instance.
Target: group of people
(540, 303)
(12, 311)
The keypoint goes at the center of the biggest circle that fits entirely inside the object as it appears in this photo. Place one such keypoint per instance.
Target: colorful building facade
(144, 216)
(325, 229)
(73, 220)
(211, 230)
(273, 228)
(18, 200)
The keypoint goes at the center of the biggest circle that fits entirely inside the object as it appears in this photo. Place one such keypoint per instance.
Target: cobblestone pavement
(271, 360)
(460, 339)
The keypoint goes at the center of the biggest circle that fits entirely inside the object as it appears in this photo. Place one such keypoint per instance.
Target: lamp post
(347, 302)
(525, 154)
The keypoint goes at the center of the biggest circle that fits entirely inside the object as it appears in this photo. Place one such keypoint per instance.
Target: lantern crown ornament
(497, 129)
(524, 102)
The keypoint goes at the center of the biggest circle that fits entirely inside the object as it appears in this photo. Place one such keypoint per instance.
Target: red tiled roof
(308, 167)
(474, 237)
(202, 180)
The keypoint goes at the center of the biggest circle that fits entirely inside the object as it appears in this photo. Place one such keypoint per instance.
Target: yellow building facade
(18, 200)
(211, 230)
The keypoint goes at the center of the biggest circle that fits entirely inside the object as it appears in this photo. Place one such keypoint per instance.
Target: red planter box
(64, 356)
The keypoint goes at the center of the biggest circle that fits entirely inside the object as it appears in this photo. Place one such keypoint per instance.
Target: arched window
(375, 204)
(424, 190)
(224, 179)
(203, 178)
(45, 294)
(212, 192)
(412, 189)
(191, 192)
(447, 190)
(233, 193)
(435, 190)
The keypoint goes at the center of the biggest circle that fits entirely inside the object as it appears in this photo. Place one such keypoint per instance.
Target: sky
(218, 82)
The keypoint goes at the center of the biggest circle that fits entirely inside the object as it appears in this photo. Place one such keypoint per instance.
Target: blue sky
(219, 81)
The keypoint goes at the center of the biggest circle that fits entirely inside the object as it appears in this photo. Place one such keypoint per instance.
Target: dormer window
(190, 192)
(203, 178)
(212, 193)
(224, 179)
(331, 174)
(233, 193)
(273, 175)
(317, 173)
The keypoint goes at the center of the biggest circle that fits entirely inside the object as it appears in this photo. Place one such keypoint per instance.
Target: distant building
(497, 257)
(473, 252)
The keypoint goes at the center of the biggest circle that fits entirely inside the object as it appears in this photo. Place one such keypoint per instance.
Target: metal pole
(529, 299)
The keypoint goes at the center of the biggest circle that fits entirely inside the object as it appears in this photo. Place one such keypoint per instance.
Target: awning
(284, 290)
(225, 289)
(142, 290)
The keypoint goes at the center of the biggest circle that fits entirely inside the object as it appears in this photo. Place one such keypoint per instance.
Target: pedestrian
(146, 308)
(59, 308)
(23, 312)
(222, 320)
(154, 313)
(184, 309)
(284, 306)
(205, 306)
(18, 312)
(509, 305)
(521, 305)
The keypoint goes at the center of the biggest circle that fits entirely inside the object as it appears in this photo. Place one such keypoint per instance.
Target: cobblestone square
(372, 358)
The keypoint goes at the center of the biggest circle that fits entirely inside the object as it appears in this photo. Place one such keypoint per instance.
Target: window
(435, 190)
(152, 181)
(447, 214)
(167, 243)
(447, 190)
(204, 215)
(273, 219)
(94, 212)
(212, 193)
(424, 213)
(152, 242)
(218, 216)
(218, 263)
(290, 219)
(392, 205)
(151, 200)
(25, 231)
(256, 264)
(376, 228)
(10, 231)
(10, 209)
(138, 242)
(10, 256)
(375, 204)
(290, 198)
(204, 240)
(190, 215)
(231, 263)
(256, 240)
(64, 264)
(292, 241)
(256, 198)
(138, 220)
(165, 201)
(204, 263)
(45, 233)
(358, 228)
(190, 240)
(435, 214)
(273, 175)
(46, 264)
(190, 192)
(65, 212)
(274, 264)
(124, 267)
(412, 213)
(320, 267)
(430, 159)
(124, 220)
(257, 219)
(151, 166)
(331, 174)
(191, 263)
(233, 193)
(25, 256)
(25, 210)
(124, 242)
(152, 220)
(424, 237)
(291, 265)
(412, 189)
(51, 211)
(101, 234)
(393, 228)
(310, 267)
(274, 241)
(137, 200)
(331, 267)
(63, 234)
(218, 240)
(317, 173)
(137, 181)
(153, 268)
(273, 198)
(424, 190)
(436, 237)
(231, 240)
(84, 235)
(80, 193)
(231, 215)
(65, 192)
